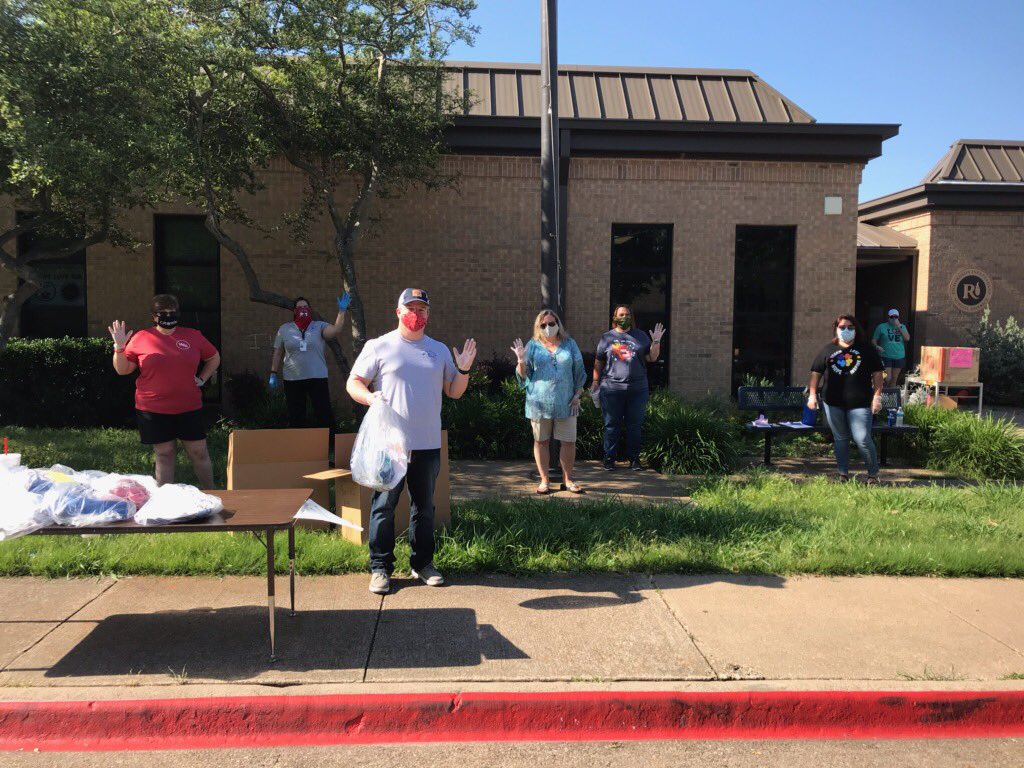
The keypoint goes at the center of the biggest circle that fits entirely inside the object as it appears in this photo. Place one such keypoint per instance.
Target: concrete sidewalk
(144, 636)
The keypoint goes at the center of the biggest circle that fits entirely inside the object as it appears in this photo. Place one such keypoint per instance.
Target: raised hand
(343, 301)
(657, 333)
(519, 350)
(119, 334)
(464, 359)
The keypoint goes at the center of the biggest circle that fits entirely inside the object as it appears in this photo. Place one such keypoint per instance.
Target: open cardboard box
(353, 501)
(279, 458)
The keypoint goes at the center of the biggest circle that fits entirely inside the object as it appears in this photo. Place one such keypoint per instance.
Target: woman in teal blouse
(550, 369)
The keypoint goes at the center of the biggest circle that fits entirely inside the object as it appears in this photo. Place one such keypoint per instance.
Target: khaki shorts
(564, 430)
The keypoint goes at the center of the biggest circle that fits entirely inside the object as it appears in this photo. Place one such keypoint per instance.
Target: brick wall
(475, 247)
(950, 241)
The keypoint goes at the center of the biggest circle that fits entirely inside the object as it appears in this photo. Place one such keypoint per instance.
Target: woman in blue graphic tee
(620, 381)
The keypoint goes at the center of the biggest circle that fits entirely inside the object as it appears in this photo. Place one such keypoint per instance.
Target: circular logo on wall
(970, 289)
(184, 345)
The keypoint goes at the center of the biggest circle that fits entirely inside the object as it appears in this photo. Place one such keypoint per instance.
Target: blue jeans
(421, 478)
(623, 407)
(856, 423)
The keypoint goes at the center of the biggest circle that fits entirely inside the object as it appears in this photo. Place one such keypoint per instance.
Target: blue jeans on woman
(623, 406)
(856, 423)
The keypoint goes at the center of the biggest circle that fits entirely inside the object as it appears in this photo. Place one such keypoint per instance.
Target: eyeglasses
(549, 325)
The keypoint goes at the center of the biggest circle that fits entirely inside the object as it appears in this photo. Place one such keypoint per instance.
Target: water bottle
(899, 416)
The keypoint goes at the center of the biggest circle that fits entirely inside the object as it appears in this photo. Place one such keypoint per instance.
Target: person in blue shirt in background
(890, 339)
(550, 368)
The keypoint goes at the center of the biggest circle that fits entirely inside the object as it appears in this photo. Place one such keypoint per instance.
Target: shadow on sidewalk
(233, 643)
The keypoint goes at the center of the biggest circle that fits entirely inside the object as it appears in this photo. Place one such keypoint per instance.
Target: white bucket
(10, 460)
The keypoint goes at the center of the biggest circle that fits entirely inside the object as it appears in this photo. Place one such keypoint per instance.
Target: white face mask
(551, 331)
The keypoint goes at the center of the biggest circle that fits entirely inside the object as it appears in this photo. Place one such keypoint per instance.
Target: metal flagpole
(551, 290)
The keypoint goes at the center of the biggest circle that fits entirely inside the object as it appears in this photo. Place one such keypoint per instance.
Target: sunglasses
(549, 325)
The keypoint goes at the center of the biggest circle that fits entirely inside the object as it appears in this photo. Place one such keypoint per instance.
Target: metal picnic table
(257, 511)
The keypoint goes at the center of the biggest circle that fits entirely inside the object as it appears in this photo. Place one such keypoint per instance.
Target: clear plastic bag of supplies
(135, 489)
(177, 503)
(22, 511)
(79, 506)
(379, 456)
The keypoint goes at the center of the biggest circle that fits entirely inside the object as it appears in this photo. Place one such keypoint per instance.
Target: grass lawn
(766, 524)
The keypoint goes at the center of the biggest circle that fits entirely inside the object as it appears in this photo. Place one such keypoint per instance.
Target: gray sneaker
(380, 583)
(429, 575)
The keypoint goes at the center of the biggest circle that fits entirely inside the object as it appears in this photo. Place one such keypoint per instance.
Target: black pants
(421, 478)
(317, 391)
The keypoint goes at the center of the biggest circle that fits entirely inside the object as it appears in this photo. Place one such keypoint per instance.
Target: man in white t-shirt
(410, 371)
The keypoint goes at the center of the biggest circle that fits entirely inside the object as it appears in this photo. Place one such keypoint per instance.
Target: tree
(88, 110)
(353, 96)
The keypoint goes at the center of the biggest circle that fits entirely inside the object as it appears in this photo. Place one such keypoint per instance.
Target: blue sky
(943, 70)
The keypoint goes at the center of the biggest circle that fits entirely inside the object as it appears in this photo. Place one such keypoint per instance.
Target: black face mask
(167, 319)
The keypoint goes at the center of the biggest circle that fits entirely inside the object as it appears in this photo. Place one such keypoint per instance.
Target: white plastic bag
(379, 456)
(176, 503)
(21, 511)
(79, 506)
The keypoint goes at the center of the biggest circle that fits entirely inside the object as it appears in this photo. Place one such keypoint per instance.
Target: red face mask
(303, 317)
(414, 322)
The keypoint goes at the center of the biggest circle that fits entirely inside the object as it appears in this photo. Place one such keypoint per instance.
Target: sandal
(572, 488)
(543, 489)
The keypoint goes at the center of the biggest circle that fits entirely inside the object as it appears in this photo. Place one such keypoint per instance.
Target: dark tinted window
(58, 308)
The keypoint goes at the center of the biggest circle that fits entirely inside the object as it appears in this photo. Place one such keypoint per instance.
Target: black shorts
(157, 428)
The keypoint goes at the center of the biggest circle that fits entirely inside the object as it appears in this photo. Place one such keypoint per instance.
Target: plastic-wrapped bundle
(22, 511)
(135, 489)
(78, 506)
(177, 503)
(379, 455)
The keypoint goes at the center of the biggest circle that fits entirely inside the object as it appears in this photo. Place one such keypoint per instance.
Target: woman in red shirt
(168, 396)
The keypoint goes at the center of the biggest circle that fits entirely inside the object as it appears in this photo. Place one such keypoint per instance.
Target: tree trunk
(10, 311)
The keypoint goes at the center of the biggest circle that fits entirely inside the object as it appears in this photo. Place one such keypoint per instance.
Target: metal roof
(623, 93)
(981, 161)
(883, 238)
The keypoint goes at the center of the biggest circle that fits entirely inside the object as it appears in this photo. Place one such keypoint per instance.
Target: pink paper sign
(961, 357)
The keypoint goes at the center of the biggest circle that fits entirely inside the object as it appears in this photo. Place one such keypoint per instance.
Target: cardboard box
(353, 501)
(950, 365)
(278, 458)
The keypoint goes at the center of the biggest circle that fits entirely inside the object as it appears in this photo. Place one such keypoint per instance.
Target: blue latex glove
(343, 301)
(275, 382)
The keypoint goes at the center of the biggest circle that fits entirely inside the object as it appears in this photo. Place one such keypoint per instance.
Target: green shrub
(1002, 360)
(64, 383)
(960, 443)
(690, 438)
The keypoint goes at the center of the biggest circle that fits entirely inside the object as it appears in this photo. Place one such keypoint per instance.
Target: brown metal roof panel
(506, 94)
(694, 105)
(587, 103)
(612, 96)
(564, 96)
(743, 98)
(969, 170)
(1004, 163)
(718, 99)
(639, 93)
(530, 83)
(452, 84)
(870, 236)
(479, 92)
(983, 161)
(1016, 156)
(666, 98)
(771, 104)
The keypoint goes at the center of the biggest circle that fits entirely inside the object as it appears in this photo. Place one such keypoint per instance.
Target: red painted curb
(591, 716)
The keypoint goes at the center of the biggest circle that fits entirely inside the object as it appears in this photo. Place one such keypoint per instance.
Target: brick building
(705, 198)
(955, 244)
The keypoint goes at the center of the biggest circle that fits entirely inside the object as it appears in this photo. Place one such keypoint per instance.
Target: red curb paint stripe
(590, 716)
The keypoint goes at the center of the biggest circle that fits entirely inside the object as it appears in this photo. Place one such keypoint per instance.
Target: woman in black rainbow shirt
(848, 373)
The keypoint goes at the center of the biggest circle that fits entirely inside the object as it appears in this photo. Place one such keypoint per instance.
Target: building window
(642, 278)
(58, 308)
(762, 330)
(187, 262)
